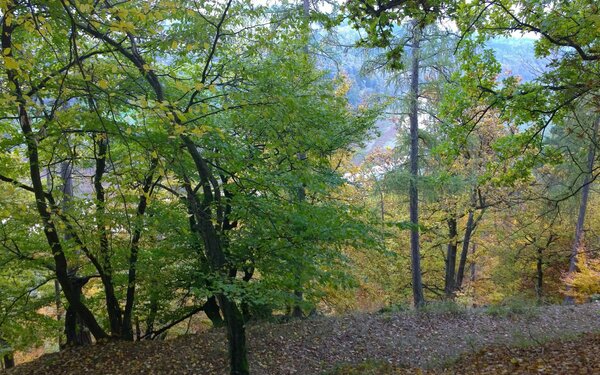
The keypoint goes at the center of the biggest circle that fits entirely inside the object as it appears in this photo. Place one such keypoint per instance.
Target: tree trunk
(473, 264)
(58, 304)
(539, 275)
(75, 330)
(200, 209)
(585, 191)
(211, 309)
(417, 283)
(465, 249)
(236, 331)
(236, 337)
(449, 287)
(8, 360)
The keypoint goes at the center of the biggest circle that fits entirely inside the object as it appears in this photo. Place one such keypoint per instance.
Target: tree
(185, 153)
(379, 20)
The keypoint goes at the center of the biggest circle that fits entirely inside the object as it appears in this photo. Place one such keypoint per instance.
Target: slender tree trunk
(464, 251)
(138, 329)
(585, 191)
(473, 264)
(449, 287)
(201, 210)
(113, 308)
(417, 283)
(381, 211)
(151, 315)
(58, 305)
(127, 329)
(540, 274)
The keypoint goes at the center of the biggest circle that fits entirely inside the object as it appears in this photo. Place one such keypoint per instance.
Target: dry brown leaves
(398, 341)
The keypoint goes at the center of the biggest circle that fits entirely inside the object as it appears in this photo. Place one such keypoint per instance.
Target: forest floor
(551, 339)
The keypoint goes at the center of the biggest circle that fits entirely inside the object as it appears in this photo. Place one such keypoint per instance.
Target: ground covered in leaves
(551, 339)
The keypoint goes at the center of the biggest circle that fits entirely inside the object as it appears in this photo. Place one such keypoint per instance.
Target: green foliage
(141, 80)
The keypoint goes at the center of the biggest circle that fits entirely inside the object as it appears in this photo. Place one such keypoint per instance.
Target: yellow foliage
(585, 282)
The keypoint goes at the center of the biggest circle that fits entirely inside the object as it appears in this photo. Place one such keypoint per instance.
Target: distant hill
(516, 55)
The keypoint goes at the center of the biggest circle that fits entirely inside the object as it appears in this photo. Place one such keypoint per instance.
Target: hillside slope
(321, 344)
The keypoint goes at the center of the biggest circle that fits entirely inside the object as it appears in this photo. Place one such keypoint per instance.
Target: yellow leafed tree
(585, 282)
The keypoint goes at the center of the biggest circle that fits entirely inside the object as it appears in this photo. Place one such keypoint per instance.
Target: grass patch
(443, 307)
(395, 308)
(514, 307)
(369, 367)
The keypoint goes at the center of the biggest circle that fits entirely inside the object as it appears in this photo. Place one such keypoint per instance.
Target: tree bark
(539, 274)
(211, 309)
(417, 283)
(113, 308)
(585, 191)
(236, 331)
(8, 360)
(127, 329)
(58, 304)
(473, 264)
(449, 287)
(76, 332)
(236, 336)
(464, 251)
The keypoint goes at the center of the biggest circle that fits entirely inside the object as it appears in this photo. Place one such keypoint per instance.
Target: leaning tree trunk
(417, 283)
(585, 191)
(465, 250)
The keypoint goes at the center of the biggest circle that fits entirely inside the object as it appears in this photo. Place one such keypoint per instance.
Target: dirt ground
(393, 341)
